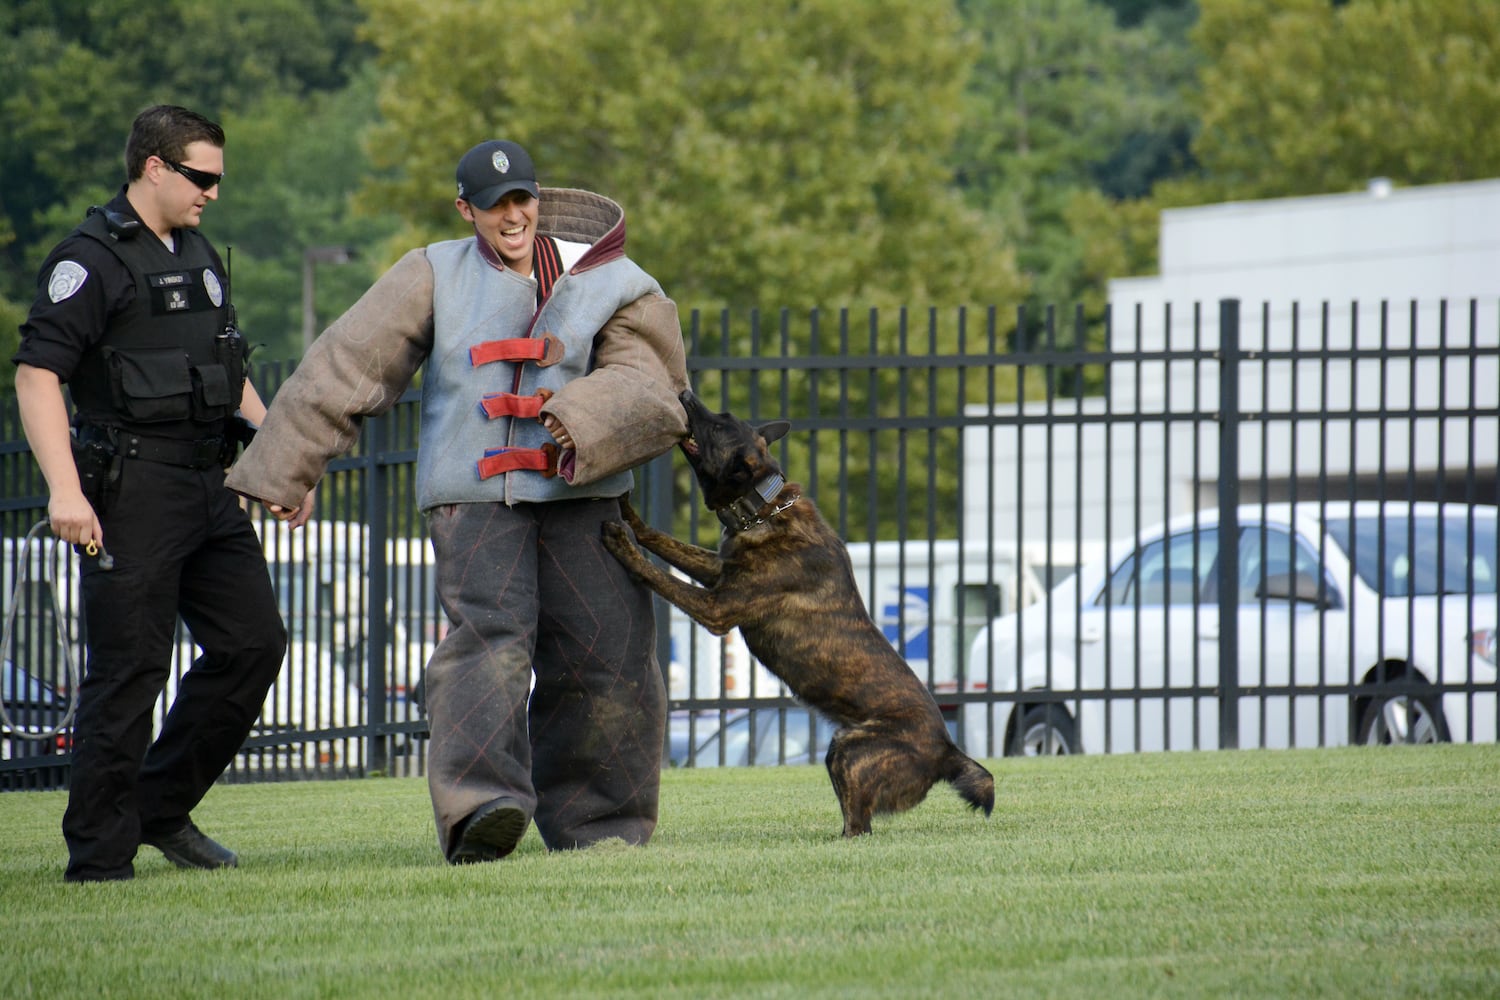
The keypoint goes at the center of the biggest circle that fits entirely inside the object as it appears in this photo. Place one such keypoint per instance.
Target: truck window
(977, 604)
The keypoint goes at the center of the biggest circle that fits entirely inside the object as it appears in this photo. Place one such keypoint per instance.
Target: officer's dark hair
(165, 131)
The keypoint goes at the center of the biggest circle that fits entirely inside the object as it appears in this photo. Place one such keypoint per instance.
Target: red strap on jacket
(512, 349)
(501, 460)
(508, 404)
(545, 350)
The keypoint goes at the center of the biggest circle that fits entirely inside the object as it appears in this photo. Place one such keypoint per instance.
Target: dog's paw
(618, 540)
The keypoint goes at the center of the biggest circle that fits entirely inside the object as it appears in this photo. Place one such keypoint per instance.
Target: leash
(70, 664)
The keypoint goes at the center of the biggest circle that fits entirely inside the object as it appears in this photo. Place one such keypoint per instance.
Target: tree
(1305, 96)
(73, 73)
(297, 164)
(11, 316)
(1068, 112)
(789, 153)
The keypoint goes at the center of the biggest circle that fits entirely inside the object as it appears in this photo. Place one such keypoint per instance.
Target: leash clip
(106, 561)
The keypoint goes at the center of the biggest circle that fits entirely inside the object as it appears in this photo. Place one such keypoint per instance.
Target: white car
(1357, 622)
(766, 736)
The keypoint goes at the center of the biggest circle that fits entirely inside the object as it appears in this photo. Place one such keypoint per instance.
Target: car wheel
(1045, 730)
(1403, 719)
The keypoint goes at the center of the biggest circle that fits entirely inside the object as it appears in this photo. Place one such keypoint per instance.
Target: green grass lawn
(1351, 872)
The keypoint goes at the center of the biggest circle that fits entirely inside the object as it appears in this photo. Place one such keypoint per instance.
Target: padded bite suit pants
(531, 593)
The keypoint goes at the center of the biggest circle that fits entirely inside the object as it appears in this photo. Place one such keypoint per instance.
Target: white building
(1407, 279)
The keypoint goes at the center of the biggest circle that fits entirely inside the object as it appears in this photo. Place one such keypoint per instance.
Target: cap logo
(501, 161)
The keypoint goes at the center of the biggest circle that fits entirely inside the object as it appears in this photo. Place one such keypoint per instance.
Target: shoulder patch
(67, 277)
(212, 286)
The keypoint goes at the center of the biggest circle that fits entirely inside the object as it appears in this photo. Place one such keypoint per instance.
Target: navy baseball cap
(492, 170)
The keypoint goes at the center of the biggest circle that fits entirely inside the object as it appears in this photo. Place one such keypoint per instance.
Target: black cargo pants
(181, 545)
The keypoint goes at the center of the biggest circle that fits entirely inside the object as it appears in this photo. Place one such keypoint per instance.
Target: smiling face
(509, 227)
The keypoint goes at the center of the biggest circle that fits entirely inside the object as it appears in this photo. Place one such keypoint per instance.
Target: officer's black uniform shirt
(56, 334)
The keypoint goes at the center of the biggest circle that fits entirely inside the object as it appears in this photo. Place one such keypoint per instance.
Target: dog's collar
(744, 512)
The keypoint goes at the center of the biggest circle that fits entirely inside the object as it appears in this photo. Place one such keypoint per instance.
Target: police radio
(229, 345)
(121, 226)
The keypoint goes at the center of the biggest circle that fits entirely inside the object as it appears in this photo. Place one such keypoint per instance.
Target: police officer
(133, 313)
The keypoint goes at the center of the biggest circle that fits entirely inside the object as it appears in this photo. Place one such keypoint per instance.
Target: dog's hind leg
(850, 783)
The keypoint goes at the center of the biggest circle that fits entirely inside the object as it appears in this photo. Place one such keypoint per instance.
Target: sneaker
(492, 832)
(190, 848)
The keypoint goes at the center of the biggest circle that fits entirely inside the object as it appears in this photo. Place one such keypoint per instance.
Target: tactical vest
(171, 364)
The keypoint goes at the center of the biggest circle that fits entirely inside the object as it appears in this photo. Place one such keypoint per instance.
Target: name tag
(175, 292)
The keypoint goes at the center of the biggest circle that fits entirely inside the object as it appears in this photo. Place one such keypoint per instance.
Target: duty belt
(201, 454)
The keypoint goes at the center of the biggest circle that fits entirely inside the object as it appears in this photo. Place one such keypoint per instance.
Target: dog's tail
(974, 784)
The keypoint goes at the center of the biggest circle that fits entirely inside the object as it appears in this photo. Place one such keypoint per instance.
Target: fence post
(658, 514)
(377, 511)
(1229, 524)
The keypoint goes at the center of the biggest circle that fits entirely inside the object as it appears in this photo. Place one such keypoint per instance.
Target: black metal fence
(970, 476)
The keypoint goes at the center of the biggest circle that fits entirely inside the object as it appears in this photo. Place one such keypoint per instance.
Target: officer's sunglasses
(202, 178)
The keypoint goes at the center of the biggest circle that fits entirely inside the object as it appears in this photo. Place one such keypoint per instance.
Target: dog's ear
(773, 431)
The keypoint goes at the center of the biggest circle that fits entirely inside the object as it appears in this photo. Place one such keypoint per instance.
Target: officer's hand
(73, 519)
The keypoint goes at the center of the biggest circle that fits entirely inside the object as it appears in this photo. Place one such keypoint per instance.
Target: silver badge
(211, 285)
(501, 161)
(67, 278)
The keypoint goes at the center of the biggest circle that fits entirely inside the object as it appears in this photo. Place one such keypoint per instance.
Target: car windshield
(1401, 556)
(1174, 570)
(768, 739)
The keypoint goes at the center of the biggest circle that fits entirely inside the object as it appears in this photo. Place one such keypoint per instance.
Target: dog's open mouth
(689, 446)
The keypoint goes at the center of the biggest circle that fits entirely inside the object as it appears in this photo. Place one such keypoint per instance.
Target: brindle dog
(784, 579)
